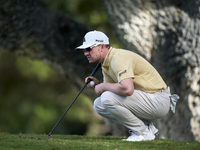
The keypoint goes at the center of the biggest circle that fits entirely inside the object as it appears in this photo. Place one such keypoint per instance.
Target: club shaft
(93, 72)
(67, 109)
(95, 69)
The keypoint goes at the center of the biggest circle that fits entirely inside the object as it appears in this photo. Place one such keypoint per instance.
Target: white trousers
(133, 111)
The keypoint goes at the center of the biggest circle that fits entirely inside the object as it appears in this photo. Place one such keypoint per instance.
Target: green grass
(75, 142)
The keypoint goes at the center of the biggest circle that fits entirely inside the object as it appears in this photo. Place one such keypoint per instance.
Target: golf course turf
(77, 142)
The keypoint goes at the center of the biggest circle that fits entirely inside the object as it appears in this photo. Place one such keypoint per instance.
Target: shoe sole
(139, 140)
(157, 133)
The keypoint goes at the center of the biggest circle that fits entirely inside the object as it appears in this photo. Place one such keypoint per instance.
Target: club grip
(93, 72)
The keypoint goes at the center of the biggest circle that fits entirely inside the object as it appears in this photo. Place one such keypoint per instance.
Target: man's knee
(97, 104)
(107, 99)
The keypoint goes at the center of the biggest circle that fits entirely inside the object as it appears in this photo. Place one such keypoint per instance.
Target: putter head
(48, 136)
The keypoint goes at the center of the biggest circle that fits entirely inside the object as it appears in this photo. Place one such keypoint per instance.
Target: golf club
(93, 72)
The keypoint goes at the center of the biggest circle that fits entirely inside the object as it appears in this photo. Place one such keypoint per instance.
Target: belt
(164, 91)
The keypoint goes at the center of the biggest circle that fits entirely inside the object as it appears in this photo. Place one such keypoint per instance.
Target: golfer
(132, 93)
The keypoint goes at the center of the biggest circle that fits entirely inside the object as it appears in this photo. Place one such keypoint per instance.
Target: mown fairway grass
(75, 142)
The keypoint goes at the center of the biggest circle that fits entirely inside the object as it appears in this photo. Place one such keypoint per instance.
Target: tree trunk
(166, 33)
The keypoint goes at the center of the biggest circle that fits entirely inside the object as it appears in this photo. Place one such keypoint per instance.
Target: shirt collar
(106, 60)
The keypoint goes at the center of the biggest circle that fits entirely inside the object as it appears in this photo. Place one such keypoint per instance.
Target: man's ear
(103, 46)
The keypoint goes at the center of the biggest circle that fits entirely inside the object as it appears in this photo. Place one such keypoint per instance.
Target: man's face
(93, 54)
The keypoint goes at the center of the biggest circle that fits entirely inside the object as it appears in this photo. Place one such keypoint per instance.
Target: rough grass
(76, 142)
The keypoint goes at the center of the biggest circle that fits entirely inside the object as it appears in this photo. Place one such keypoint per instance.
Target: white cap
(93, 38)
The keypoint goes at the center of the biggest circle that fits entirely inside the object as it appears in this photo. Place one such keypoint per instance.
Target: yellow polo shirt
(120, 64)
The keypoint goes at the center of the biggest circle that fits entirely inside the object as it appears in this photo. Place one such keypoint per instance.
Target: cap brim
(84, 46)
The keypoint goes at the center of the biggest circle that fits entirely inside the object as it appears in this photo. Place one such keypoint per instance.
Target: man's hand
(96, 81)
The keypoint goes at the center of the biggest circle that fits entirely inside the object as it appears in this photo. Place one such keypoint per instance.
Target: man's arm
(124, 88)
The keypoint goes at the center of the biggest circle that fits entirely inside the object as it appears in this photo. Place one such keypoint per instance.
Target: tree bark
(166, 33)
(30, 28)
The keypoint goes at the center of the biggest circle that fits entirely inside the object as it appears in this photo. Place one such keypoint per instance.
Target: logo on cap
(99, 40)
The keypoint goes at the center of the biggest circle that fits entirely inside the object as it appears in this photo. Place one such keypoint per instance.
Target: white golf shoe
(153, 129)
(147, 135)
(134, 137)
